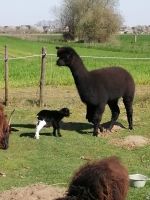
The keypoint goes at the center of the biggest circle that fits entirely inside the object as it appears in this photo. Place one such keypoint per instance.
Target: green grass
(53, 160)
(27, 72)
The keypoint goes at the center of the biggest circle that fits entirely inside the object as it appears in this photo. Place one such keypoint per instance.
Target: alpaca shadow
(29, 126)
(13, 129)
(32, 126)
(79, 127)
(32, 134)
(118, 125)
(86, 128)
(70, 126)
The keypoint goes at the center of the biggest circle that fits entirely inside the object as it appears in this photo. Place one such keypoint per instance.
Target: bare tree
(91, 20)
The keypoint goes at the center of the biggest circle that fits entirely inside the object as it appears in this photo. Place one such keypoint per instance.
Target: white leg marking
(39, 126)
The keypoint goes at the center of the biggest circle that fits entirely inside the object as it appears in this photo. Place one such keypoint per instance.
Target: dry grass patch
(33, 192)
(131, 141)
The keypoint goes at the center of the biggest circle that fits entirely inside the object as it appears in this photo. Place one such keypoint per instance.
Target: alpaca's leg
(54, 131)
(58, 132)
(97, 119)
(39, 126)
(113, 105)
(97, 125)
(89, 113)
(128, 101)
(56, 128)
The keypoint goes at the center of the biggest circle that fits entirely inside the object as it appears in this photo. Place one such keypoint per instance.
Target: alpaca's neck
(78, 70)
(80, 75)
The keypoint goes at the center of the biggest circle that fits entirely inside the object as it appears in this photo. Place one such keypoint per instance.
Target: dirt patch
(116, 127)
(131, 141)
(33, 192)
(106, 132)
(29, 96)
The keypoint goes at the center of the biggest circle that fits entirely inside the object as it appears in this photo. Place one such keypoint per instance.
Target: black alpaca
(106, 179)
(99, 87)
(51, 117)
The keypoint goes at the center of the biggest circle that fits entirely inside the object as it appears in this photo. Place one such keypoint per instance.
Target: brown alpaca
(106, 179)
(5, 128)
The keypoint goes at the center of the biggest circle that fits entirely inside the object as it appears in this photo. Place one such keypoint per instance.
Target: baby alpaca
(106, 179)
(51, 117)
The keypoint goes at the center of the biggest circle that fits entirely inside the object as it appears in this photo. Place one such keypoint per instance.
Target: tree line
(90, 20)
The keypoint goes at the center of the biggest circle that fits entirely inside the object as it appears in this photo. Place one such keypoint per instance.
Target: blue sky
(19, 12)
(135, 12)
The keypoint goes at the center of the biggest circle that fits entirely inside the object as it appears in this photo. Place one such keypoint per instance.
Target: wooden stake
(6, 75)
(42, 79)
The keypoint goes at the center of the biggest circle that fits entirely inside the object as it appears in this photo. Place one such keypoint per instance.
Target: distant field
(26, 72)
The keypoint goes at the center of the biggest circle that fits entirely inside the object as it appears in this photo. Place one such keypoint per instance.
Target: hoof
(101, 129)
(95, 135)
(36, 137)
(130, 128)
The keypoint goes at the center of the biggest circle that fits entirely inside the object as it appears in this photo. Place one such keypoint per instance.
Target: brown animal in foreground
(5, 129)
(106, 179)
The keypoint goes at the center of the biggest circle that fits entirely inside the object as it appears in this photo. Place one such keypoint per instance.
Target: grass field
(27, 72)
(53, 160)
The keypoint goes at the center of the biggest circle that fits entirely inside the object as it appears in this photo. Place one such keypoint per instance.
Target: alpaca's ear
(57, 47)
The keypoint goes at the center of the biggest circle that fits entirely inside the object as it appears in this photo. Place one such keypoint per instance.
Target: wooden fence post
(135, 38)
(42, 78)
(6, 75)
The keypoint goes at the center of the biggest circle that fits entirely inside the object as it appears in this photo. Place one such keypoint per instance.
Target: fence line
(42, 77)
(43, 56)
(24, 57)
(94, 57)
(6, 75)
(117, 58)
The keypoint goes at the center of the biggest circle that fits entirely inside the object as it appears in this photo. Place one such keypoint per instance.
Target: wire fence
(93, 57)
(43, 56)
(6, 74)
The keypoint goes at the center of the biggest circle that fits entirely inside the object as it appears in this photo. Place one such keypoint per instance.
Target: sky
(29, 12)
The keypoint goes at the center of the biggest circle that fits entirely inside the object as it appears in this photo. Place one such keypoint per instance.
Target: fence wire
(52, 74)
(92, 57)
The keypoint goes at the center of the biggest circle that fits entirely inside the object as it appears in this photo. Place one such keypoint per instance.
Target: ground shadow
(106, 125)
(79, 127)
(29, 126)
(32, 126)
(13, 129)
(70, 126)
(32, 134)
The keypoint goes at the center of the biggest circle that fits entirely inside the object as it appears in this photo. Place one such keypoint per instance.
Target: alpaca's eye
(68, 56)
